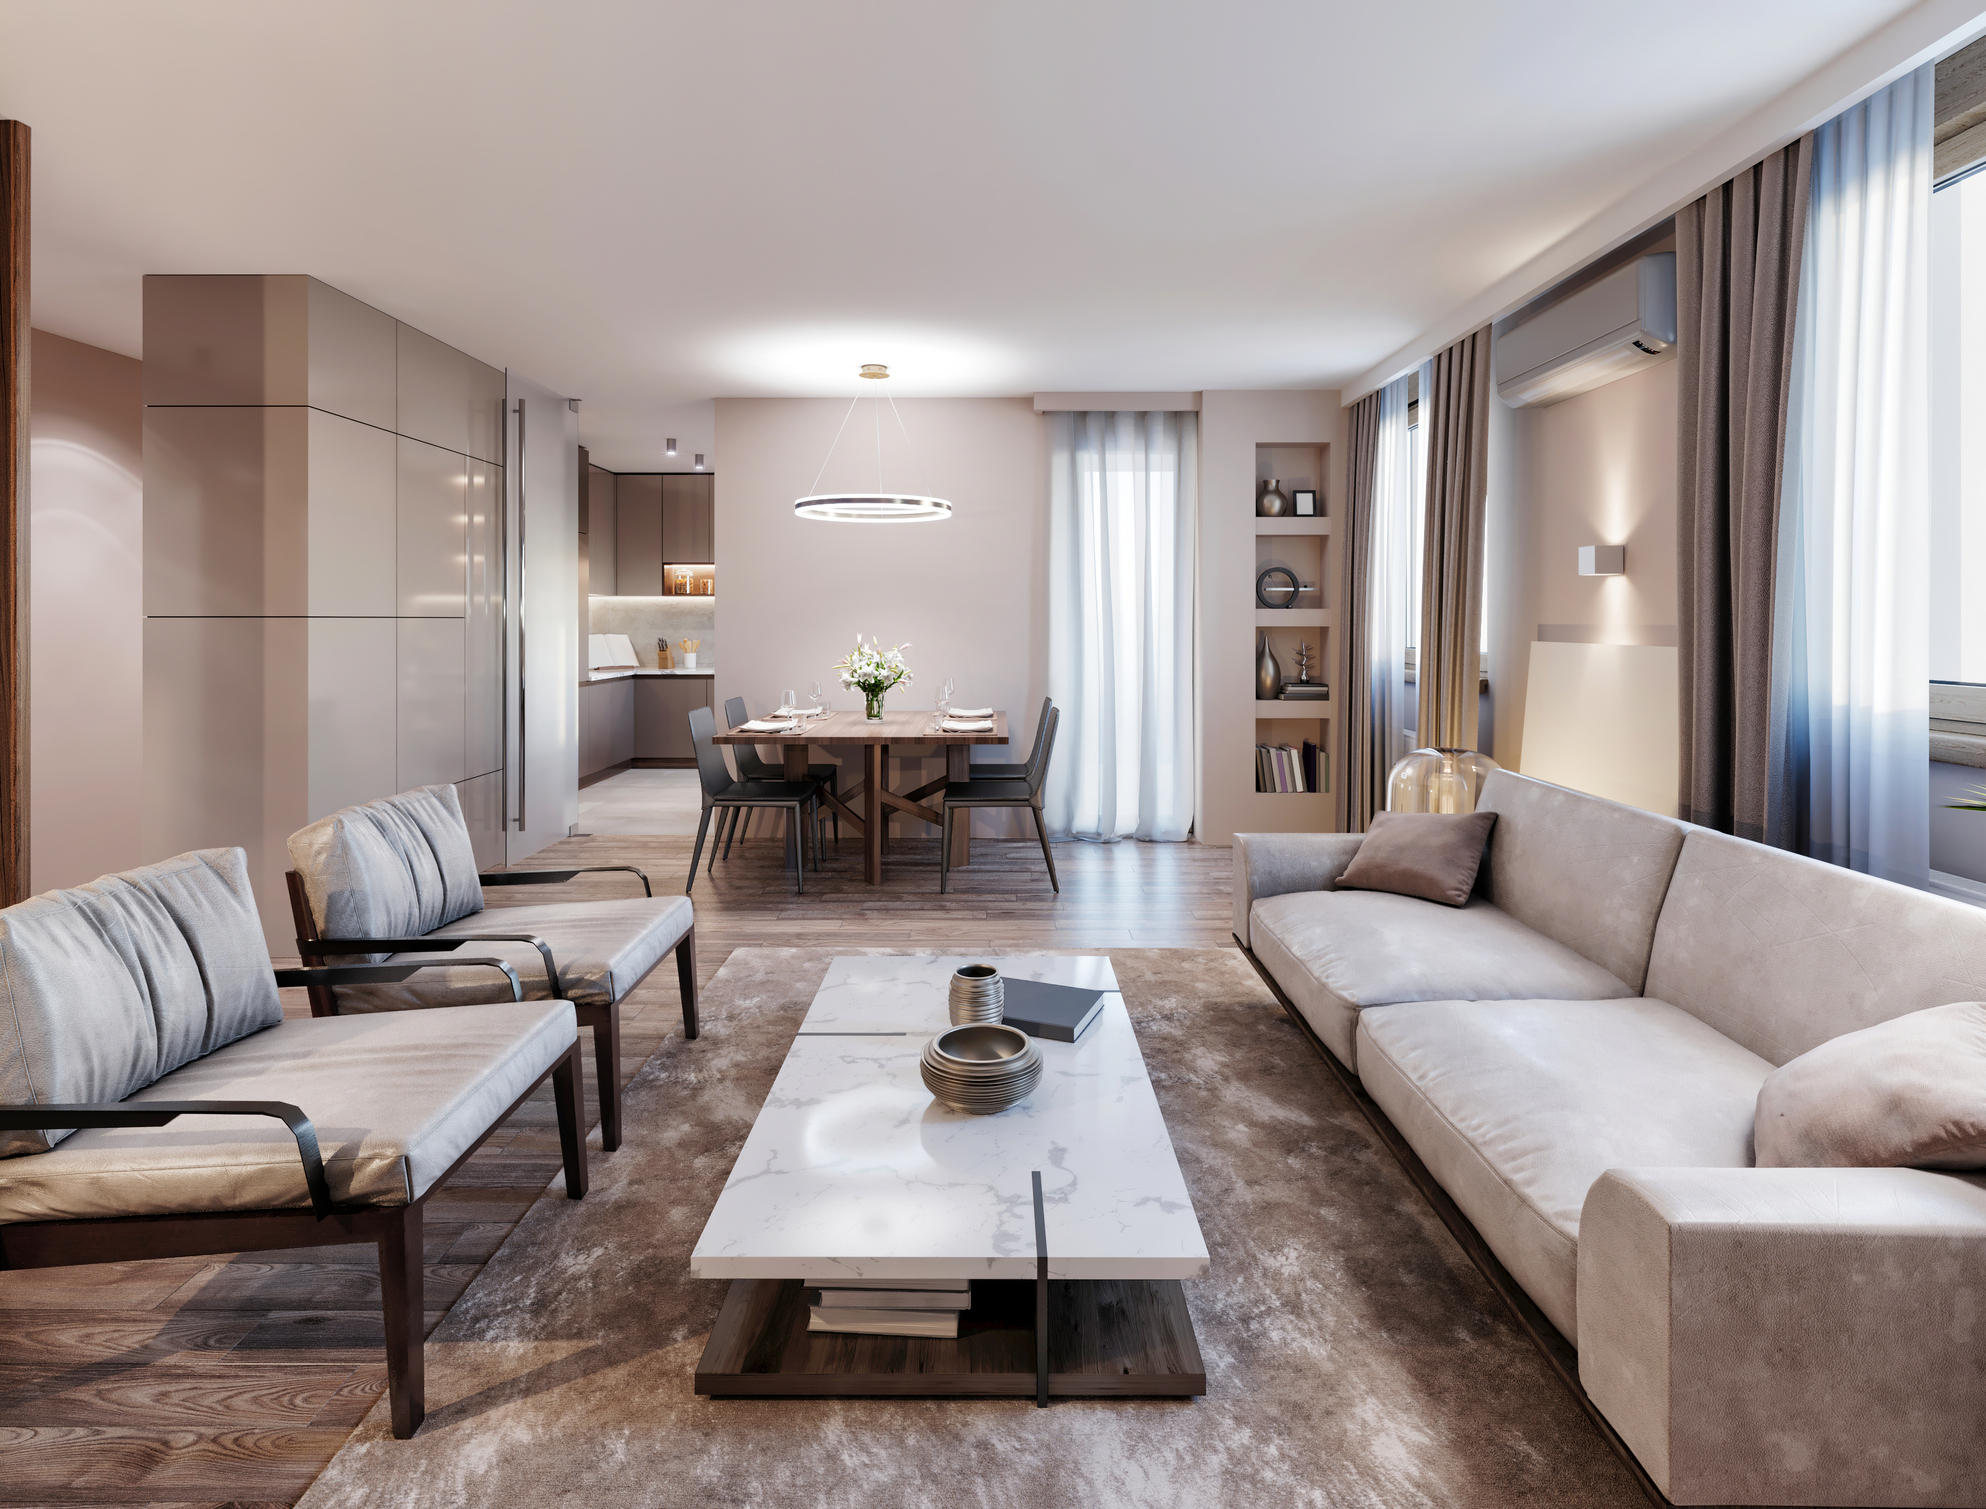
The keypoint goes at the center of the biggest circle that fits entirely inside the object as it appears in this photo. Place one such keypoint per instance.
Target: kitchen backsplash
(647, 619)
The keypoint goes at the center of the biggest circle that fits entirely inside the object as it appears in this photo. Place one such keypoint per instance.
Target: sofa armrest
(432, 944)
(157, 1113)
(383, 974)
(554, 877)
(1789, 1335)
(1274, 864)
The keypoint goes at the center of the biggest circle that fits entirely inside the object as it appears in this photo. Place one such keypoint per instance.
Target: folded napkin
(968, 725)
(764, 726)
(789, 712)
(970, 712)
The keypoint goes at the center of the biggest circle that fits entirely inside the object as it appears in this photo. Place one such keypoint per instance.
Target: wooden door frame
(16, 348)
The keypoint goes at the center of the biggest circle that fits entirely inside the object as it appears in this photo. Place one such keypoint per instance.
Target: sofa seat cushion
(395, 1099)
(1516, 1107)
(602, 948)
(1337, 952)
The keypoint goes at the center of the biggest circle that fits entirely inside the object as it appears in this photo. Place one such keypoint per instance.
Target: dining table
(876, 736)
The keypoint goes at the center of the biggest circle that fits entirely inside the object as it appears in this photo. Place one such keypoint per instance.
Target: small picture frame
(1303, 502)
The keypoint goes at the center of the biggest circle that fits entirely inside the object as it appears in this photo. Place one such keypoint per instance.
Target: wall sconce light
(669, 446)
(1603, 560)
(699, 461)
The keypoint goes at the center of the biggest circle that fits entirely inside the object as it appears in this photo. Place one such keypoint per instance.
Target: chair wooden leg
(697, 853)
(403, 1295)
(568, 1095)
(686, 981)
(1041, 832)
(945, 852)
(606, 1024)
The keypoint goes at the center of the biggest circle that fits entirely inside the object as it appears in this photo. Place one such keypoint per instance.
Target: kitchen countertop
(704, 671)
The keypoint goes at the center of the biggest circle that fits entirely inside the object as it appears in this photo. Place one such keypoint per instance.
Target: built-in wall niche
(1289, 737)
(1293, 466)
(1302, 554)
(1283, 644)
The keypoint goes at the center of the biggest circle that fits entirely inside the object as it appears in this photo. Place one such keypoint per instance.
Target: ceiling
(641, 204)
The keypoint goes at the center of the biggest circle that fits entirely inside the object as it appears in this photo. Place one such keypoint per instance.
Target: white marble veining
(853, 1169)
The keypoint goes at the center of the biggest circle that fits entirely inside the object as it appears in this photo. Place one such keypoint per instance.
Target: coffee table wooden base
(1108, 1338)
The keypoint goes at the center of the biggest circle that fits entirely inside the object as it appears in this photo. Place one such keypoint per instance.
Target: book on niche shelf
(1289, 768)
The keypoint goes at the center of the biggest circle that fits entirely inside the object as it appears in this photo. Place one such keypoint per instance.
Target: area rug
(1354, 1357)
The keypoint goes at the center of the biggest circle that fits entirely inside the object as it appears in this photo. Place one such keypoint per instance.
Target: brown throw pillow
(1909, 1092)
(1433, 855)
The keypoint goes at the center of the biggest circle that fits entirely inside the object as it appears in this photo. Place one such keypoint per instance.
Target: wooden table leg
(872, 813)
(795, 770)
(958, 767)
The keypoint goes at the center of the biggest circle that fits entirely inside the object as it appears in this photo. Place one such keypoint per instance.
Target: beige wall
(1596, 469)
(968, 594)
(87, 623)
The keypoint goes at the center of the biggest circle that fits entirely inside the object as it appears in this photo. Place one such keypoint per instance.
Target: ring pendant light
(878, 507)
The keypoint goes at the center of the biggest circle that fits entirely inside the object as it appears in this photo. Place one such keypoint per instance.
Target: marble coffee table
(1068, 1211)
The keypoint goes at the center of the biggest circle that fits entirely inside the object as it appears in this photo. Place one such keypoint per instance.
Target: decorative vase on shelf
(873, 709)
(1274, 502)
(1268, 674)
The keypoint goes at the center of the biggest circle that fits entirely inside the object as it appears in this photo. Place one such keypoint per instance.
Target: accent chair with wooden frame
(393, 880)
(145, 1053)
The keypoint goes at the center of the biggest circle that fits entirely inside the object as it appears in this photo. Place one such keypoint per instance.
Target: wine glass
(820, 705)
(789, 703)
(945, 697)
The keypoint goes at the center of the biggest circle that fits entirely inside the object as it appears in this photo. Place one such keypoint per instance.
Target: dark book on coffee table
(1059, 1013)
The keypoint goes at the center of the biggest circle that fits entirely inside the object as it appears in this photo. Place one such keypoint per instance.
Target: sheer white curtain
(1852, 637)
(1122, 493)
(1393, 575)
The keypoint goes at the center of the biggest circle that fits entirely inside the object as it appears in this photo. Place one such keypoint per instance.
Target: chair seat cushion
(1337, 952)
(603, 950)
(975, 792)
(395, 1099)
(1517, 1107)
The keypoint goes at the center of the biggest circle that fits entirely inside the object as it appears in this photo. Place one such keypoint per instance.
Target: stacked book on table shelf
(1305, 691)
(1286, 767)
(890, 1307)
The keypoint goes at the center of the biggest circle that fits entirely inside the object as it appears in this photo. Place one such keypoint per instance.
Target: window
(1958, 431)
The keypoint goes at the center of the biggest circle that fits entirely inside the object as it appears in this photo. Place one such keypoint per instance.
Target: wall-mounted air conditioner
(1613, 326)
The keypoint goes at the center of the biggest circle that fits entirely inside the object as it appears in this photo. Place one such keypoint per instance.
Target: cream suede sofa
(1575, 1056)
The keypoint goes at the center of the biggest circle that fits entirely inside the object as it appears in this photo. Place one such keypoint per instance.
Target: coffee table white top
(853, 1170)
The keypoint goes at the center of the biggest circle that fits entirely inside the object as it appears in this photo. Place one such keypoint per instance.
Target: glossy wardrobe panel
(482, 656)
(227, 339)
(482, 813)
(352, 708)
(352, 357)
(351, 518)
(431, 712)
(432, 543)
(225, 510)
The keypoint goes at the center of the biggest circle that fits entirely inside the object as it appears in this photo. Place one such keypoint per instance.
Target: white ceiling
(641, 204)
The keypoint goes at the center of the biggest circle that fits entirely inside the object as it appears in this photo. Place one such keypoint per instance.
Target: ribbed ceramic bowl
(978, 995)
(981, 1068)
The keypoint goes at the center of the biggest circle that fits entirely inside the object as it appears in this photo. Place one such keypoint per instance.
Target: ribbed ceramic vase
(1268, 673)
(978, 995)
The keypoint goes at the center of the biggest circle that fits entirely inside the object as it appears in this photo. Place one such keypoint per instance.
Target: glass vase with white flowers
(872, 671)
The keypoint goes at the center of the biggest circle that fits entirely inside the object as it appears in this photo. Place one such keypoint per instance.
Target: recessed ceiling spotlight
(699, 461)
(669, 446)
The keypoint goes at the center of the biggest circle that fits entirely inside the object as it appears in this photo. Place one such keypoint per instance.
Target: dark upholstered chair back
(710, 767)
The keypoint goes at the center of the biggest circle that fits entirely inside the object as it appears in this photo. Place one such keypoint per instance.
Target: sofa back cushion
(1781, 953)
(1585, 872)
(106, 987)
(398, 867)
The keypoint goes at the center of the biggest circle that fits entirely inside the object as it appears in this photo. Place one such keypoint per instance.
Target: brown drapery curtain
(1365, 768)
(1737, 284)
(1455, 407)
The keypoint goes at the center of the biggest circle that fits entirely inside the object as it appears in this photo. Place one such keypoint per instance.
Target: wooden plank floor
(232, 1380)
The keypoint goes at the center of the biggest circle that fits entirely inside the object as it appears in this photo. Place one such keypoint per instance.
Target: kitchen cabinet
(638, 535)
(662, 715)
(606, 725)
(602, 529)
(689, 534)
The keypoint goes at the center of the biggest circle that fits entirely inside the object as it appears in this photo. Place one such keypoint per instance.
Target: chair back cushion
(1781, 953)
(106, 987)
(399, 867)
(1585, 872)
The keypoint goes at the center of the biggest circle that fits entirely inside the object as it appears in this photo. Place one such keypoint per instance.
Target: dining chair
(1006, 770)
(721, 793)
(752, 768)
(969, 796)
